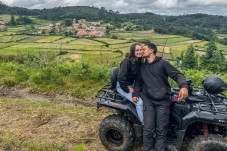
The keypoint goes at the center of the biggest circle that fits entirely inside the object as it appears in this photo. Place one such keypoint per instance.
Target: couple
(146, 85)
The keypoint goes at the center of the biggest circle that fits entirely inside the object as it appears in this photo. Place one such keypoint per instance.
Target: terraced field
(10, 43)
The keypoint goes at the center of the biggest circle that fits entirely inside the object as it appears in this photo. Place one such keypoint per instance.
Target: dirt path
(29, 95)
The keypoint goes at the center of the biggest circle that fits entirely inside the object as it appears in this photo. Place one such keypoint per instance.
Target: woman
(129, 69)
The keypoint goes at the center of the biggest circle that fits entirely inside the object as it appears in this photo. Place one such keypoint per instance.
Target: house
(121, 29)
(58, 24)
(82, 26)
(81, 33)
(3, 27)
(51, 25)
(75, 25)
(102, 28)
(69, 28)
(96, 33)
(41, 27)
(81, 21)
(96, 23)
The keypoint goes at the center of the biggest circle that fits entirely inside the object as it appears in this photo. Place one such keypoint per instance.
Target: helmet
(213, 84)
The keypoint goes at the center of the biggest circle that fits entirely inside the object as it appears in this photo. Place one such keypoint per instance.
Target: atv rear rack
(108, 94)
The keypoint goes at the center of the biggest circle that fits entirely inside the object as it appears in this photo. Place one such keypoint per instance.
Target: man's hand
(135, 99)
(183, 93)
(131, 90)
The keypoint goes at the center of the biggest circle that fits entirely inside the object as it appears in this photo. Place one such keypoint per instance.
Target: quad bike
(200, 120)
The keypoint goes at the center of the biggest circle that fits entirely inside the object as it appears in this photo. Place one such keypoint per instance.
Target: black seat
(193, 99)
(113, 76)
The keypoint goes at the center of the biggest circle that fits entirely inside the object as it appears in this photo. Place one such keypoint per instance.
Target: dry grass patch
(45, 124)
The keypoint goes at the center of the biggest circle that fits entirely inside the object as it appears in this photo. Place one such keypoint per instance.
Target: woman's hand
(130, 89)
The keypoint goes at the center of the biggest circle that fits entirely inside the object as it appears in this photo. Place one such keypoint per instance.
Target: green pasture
(14, 38)
(48, 39)
(3, 45)
(168, 40)
(119, 46)
(142, 35)
(64, 40)
(222, 36)
(6, 18)
(5, 39)
(2, 34)
(111, 41)
(12, 44)
(86, 42)
(223, 48)
(38, 21)
(32, 39)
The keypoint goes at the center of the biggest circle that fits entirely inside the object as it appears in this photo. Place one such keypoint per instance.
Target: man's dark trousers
(156, 120)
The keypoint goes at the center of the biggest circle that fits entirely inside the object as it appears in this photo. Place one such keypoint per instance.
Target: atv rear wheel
(116, 133)
(207, 143)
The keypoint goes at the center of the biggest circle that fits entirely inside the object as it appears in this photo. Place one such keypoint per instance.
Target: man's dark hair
(152, 46)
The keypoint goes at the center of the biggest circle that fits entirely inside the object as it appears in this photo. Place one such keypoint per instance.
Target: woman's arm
(122, 77)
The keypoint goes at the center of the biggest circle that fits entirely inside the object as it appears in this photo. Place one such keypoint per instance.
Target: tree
(68, 22)
(12, 21)
(53, 30)
(107, 30)
(24, 20)
(213, 60)
(189, 58)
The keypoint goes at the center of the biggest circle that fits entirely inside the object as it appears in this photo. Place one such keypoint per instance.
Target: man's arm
(177, 76)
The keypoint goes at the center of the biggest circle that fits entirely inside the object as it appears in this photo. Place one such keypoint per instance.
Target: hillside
(146, 20)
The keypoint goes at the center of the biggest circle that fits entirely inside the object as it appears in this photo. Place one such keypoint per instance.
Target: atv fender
(125, 107)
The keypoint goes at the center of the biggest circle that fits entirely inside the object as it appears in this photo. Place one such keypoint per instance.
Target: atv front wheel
(207, 143)
(116, 133)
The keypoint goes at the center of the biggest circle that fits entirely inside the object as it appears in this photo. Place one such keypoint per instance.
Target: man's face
(138, 51)
(147, 51)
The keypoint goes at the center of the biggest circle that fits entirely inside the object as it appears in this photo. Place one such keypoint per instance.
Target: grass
(48, 39)
(111, 41)
(3, 45)
(47, 126)
(6, 39)
(141, 35)
(64, 40)
(168, 40)
(94, 46)
(6, 18)
(86, 42)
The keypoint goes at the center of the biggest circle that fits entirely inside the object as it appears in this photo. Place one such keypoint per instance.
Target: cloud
(165, 3)
(164, 7)
(206, 2)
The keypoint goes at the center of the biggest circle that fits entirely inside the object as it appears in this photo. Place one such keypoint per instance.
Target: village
(80, 28)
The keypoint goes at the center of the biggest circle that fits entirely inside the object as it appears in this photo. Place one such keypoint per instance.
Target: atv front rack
(213, 107)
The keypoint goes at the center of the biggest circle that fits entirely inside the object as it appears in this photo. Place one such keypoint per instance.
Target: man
(156, 91)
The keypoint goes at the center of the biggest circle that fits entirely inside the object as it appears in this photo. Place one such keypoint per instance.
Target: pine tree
(213, 60)
(189, 58)
(12, 21)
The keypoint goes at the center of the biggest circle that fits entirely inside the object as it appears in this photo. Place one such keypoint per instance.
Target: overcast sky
(163, 7)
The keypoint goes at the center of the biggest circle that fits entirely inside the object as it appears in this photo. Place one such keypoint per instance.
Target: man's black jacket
(153, 79)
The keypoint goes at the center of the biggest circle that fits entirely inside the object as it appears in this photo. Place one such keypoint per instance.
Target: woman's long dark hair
(131, 54)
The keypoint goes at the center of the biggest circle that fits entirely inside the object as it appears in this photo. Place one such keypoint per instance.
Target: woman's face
(138, 51)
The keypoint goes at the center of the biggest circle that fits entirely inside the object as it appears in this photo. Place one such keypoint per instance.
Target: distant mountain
(183, 24)
(4, 9)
